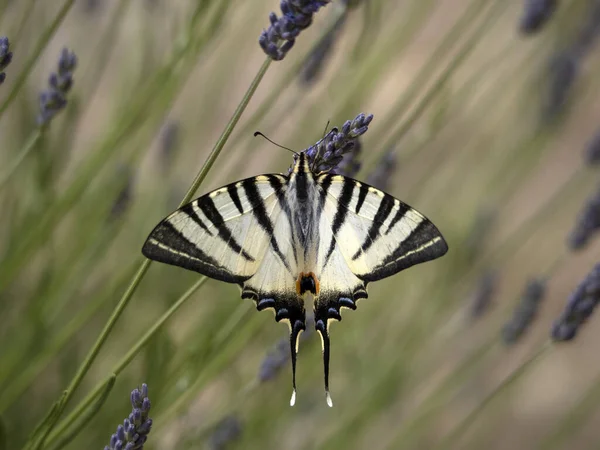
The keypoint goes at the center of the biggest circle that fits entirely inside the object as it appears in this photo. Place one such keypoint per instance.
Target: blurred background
(485, 120)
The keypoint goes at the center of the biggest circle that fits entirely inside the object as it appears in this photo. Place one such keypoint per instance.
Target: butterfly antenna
(258, 133)
(294, 340)
(322, 329)
(325, 130)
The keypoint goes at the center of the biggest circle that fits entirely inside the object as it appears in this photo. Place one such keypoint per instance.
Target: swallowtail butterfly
(280, 237)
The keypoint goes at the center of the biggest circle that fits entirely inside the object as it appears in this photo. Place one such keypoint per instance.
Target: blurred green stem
(464, 424)
(91, 356)
(26, 150)
(14, 385)
(122, 364)
(85, 417)
(39, 48)
(578, 416)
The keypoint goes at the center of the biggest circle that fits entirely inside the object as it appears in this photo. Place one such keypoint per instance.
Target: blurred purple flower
(313, 65)
(384, 170)
(580, 306)
(525, 311)
(481, 299)
(536, 14)
(54, 99)
(296, 16)
(5, 57)
(226, 431)
(587, 224)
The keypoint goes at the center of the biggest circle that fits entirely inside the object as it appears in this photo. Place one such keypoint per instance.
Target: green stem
(88, 415)
(226, 133)
(27, 148)
(14, 386)
(91, 356)
(39, 48)
(122, 364)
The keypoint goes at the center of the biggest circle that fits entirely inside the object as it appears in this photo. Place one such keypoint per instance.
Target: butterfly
(281, 237)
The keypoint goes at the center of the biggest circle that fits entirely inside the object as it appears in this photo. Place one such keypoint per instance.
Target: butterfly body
(282, 237)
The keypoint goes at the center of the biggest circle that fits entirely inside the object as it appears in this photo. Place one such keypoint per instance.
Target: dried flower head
(380, 177)
(536, 14)
(296, 16)
(5, 57)
(327, 153)
(133, 433)
(525, 311)
(588, 223)
(226, 431)
(54, 99)
(580, 307)
(316, 59)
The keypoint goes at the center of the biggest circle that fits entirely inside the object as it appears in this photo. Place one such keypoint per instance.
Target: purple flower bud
(136, 398)
(133, 433)
(54, 99)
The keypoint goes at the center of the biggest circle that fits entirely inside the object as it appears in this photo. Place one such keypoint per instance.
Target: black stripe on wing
(207, 205)
(166, 244)
(385, 208)
(277, 183)
(191, 213)
(232, 190)
(423, 244)
(402, 210)
(362, 195)
(260, 213)
(340, 214)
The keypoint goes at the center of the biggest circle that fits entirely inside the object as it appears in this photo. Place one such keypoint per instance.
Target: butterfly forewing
(219, 234)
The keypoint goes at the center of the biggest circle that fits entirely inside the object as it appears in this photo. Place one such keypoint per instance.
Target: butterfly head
(301, 163)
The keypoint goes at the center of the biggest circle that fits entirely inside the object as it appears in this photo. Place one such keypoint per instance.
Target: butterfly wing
(240, 233)
(366, 235)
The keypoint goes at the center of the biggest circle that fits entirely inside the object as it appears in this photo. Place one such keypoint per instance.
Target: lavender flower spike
(535, 15)
(5, 57)
(592, 151)
(54, 99)
(326, 154)
(579, 308)
(133, 433)
(297, 15)
(525, 312)
(588, 223)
